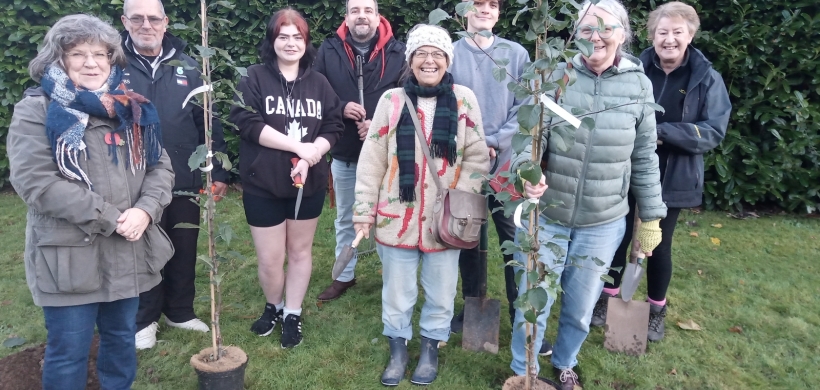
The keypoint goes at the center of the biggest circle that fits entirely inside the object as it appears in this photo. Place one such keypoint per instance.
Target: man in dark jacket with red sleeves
(367, 37)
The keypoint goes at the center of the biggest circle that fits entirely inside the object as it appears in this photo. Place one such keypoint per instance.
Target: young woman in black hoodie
(297, 118)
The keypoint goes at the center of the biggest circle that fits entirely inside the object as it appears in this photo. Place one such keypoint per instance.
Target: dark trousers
(174, 296)
(467, 260)
(659, 266)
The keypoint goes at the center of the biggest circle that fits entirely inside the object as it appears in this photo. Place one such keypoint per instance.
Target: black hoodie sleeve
(250, 123)
(332, 127)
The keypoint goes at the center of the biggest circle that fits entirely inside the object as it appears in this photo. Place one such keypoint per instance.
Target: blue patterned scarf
(70, 108)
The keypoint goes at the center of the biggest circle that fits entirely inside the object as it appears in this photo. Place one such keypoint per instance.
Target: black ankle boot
(394, 372)
(427, 369)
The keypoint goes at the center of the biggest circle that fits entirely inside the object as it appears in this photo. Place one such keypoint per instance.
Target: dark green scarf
(445, 128)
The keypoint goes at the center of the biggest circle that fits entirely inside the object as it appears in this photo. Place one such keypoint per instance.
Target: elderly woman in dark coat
(697, 111)
(86, 157)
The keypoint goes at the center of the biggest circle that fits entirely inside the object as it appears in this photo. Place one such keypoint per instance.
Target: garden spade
(627, 320)
(481, 315)
(347, 254)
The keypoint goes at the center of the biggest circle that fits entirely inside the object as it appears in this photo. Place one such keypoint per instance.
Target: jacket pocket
(184, 177)
(158, 248)
(66, 260)
(625, 184)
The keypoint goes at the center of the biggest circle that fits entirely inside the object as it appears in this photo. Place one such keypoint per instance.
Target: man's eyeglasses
(438, 55)
(585, 31)
(77, 57)
(139, 20)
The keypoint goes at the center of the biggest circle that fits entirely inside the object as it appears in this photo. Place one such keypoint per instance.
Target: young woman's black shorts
(268, 212)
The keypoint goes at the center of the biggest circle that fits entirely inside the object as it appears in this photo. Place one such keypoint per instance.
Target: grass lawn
(762, 280)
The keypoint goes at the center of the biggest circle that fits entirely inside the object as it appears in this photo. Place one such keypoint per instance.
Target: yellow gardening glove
(649, 235)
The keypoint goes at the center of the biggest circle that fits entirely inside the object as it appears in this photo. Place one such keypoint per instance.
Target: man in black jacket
(367, 37)
(148, 49)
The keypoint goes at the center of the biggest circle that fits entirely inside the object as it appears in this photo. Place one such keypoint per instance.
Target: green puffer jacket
(593, 176)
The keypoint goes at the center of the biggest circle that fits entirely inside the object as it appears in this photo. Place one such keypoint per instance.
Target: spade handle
(359, 236)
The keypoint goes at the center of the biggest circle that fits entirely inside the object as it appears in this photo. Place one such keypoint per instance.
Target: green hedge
(766, 50)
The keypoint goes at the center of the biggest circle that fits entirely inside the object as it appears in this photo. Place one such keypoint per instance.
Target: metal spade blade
(347, 254)
(631, 278)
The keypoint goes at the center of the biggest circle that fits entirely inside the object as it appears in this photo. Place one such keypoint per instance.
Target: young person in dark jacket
(148, 49)
(697, 114)
(365, 35)
(297, 116)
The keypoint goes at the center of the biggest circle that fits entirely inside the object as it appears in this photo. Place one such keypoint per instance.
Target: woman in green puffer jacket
(591, 180)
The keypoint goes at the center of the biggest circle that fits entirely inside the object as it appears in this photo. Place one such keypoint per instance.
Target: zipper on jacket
(580, 188)
(121, 158)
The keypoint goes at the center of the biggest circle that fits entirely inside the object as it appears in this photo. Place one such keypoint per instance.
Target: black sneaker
(546, 348)
(265, 324)
(657, 328)
(291, 331)
(599, 311)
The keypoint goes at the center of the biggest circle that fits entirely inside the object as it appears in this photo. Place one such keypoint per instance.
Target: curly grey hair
(616, 9)
(70, 31)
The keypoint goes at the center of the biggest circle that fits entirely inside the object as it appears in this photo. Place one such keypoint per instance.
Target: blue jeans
(344, 182)
(581, 283)
(439, 278)
(70, 330)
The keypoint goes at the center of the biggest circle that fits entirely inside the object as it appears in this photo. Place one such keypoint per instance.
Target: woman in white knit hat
(395, 192)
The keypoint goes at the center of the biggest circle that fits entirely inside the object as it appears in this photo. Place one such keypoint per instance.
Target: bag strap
(424, 147)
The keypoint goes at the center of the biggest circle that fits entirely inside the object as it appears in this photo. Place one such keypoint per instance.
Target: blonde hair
(674, 9)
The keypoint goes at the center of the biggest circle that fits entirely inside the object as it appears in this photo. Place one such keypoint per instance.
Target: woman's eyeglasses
(606, 31)
(438, 55)
(77, 57)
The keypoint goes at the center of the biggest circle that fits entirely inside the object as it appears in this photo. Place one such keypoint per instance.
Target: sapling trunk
(216, 293)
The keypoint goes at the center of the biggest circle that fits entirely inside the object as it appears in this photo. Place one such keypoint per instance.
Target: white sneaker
(194, 324)
(147, 337)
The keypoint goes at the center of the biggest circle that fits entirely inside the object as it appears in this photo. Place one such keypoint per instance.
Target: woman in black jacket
(697, 111)
(297, 119)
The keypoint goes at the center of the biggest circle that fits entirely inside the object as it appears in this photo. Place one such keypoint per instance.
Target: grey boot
(427, 369)
(599, 312)
(657, 328)
(394, 372)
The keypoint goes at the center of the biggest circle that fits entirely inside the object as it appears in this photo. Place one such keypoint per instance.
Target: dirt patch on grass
(519, 383)
(24, 370)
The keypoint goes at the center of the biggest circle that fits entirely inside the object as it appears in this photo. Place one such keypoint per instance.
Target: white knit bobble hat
(429, 35)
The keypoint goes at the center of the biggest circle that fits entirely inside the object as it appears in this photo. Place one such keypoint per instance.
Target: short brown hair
(674, 9)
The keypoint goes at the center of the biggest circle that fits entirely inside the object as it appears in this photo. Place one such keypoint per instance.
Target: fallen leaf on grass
(12, 342)
(736, 329)
(717, 225)
(689, 325)
(374, 341)
(700, 272)
(380, 271)
(715, 241)
(163, 353)
(319, 304)
(741, 282)
(673, 372)
(694, 234)
(5, 303)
